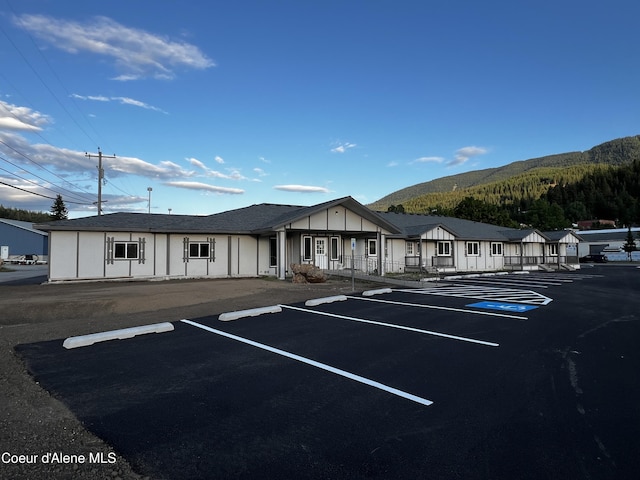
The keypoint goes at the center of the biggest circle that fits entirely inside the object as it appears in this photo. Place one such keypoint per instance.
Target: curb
(319, 301)
(85, 340)
(253, 312)
(379, 291)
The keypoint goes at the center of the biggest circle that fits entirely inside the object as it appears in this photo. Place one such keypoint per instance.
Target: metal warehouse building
(18, 239)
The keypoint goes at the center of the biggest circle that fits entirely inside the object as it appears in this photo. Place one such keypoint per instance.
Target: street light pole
(149, 189)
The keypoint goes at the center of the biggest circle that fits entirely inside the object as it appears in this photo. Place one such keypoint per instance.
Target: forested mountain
(536, 176)
(606, 193)
(526, 186)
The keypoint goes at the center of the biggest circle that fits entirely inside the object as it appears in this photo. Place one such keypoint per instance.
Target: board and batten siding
(89, 255)
(336, 219)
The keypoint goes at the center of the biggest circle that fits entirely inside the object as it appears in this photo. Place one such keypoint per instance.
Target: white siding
(84, 256)
(62, 265)
(337, 219)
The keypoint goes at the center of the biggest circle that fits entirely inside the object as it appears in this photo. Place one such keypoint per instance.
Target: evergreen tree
(630, 244)
(58, 209)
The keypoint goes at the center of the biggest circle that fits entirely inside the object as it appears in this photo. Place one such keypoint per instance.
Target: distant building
(18, 239)
(590, 224)
(608, 242)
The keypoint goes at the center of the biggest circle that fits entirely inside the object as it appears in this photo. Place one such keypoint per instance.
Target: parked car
(594, 258)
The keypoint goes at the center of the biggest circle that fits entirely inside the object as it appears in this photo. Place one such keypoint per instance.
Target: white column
(282, 254)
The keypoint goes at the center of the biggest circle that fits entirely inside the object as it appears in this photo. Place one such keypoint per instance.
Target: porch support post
(381, 253)
(282, 254)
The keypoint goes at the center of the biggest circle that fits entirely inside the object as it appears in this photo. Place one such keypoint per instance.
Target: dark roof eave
(148, 230)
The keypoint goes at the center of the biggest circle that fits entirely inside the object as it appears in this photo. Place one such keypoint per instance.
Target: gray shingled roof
(266, 217)
(259, 218)
(241, 220)
(413, 225)
(557, 235)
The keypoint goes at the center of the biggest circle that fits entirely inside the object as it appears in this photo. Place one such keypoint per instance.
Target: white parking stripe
(512, 283)
(313, 363)
(437, 307)
(392, 325)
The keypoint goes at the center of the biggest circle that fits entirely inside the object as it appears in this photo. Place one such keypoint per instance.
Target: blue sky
(219, 105)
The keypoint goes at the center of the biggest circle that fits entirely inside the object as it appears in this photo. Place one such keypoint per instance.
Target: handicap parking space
(402, 384)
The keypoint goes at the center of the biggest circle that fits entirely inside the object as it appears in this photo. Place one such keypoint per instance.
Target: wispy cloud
(197, 163)
(120, 100)
(204, 187)
(75, 164)
(428, 160)
(465, 154)
(136, 53)
(219, 160)
(301, 188)
(342, 147)
(13, 117)
(260, 172)
(234, 173)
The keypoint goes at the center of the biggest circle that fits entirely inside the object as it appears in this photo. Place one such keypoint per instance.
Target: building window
(553, 249)
(198, 250)
(444, 249)
(335, 248)
(125, 250)
(409, 249)
(320, 246)
(473, 249)
(496, 249)
(372, 248)
(306, 249)
(273, 252)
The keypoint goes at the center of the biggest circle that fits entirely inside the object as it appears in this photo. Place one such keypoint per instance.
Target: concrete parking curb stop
(253, 312)
(379, 291)
(319, 301)
(85, 340)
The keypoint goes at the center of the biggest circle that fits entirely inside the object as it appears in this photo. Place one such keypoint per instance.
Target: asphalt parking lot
(519, 376)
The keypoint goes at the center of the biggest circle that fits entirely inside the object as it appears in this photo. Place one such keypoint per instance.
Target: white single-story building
(265, 239)
(258, 240)
(435, 243)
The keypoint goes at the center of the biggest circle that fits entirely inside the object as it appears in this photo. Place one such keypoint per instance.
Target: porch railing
(522, 260)
(442, 262)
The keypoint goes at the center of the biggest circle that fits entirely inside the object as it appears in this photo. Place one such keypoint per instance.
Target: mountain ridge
(615, 152)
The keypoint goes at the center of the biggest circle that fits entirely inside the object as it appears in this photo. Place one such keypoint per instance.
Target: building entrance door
(321, 256)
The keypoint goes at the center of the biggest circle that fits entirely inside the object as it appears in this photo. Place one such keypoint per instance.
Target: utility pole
(100, 175)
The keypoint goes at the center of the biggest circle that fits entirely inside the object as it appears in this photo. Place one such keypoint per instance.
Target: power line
(35, 72)
(54, 96)
(42, 167)
(39, 194)
(43, 179)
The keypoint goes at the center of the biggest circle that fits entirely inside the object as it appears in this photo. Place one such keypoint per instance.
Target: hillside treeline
(544, 198)
(529, 185)
(605, 193)
(23, 215)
